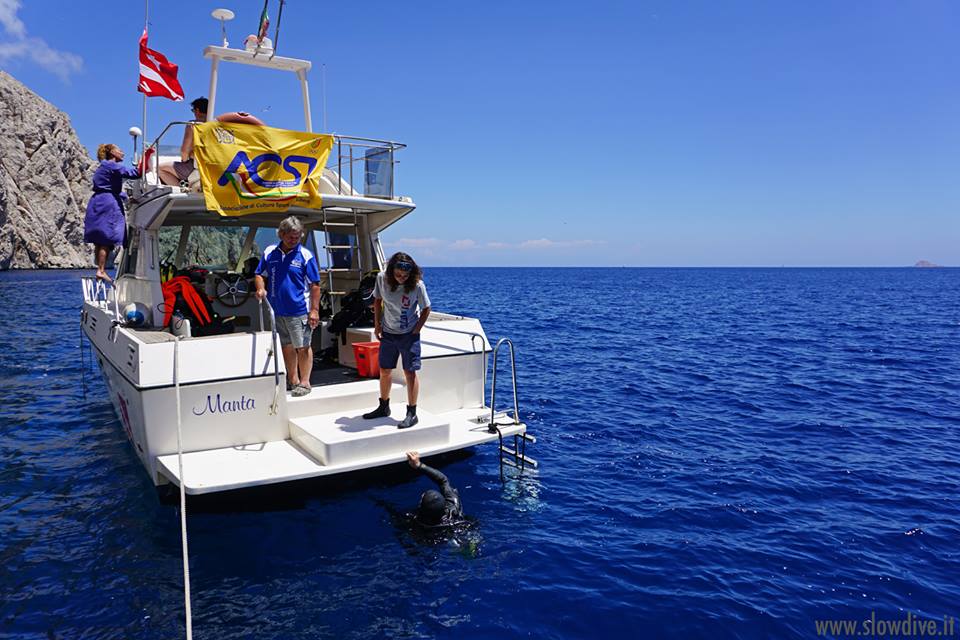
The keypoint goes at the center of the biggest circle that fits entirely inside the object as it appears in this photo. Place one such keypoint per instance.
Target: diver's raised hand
(413, 459)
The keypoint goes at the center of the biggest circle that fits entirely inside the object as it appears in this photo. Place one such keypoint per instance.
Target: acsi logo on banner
(252, 186)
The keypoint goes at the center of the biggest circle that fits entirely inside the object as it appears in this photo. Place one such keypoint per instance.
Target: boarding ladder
(331, 227)
(515, 456)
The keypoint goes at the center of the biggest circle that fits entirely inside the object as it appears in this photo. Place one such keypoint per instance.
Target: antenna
(223, 15)
(135, 133)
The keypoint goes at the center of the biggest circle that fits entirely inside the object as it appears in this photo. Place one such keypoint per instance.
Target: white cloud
(419, 243)
(60, 63)
(8, 18)
(454, 250)
(545, 243)
(542, 243)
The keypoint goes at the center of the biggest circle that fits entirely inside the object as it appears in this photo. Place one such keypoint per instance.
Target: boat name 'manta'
(225, 406)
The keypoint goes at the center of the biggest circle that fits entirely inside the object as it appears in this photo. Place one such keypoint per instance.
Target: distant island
(925, 263)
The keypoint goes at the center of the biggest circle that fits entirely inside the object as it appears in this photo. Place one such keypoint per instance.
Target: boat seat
(193, 180)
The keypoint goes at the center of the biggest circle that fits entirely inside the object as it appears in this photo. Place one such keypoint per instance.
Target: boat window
(378, 172)
(214, 248)
(131, 245)
(314, 241)
(265, 237)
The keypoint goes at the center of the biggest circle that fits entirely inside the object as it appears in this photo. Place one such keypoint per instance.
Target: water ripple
(726, 453)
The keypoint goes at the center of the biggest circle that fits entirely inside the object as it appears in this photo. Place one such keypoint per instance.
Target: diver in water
(437, 508)
(438, 519)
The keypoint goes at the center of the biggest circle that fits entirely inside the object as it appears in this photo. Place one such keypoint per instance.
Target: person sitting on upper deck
(240, 117)
(178, 172)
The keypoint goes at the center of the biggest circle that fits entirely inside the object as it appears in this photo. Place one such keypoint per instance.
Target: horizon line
(782, 266)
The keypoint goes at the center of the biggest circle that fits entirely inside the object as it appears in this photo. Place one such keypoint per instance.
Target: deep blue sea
(725, 453)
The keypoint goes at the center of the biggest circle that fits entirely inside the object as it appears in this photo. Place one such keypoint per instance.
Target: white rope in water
(183, 495)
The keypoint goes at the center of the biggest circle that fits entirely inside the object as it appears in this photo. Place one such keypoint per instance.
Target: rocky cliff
(45, 178)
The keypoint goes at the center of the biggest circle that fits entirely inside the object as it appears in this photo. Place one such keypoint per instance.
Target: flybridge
(224, 54)
(375, 157)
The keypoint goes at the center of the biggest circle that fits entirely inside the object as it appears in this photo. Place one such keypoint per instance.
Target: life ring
(240, 117)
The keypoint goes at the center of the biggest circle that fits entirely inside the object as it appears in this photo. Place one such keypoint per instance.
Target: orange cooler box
(367, 355)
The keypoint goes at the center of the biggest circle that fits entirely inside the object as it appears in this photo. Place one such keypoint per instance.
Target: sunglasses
(403, 266)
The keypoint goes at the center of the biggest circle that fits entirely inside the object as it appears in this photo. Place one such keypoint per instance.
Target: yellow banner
(247, 168)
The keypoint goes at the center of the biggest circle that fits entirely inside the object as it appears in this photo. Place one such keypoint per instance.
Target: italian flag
(264, 24)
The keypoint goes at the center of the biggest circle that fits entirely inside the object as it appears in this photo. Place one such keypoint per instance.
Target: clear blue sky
(575, 133)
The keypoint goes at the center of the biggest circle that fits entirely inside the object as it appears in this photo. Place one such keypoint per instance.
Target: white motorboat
(209, 410)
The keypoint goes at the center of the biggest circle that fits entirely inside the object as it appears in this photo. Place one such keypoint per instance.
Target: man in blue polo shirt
(290, 270)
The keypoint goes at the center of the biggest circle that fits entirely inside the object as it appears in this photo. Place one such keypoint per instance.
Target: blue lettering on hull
(220, 405)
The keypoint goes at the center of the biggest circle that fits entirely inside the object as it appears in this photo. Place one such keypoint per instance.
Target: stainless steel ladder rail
(518, 453)
(493, 385)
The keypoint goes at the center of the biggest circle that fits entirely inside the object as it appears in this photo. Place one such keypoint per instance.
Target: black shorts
(183, 169)
(403, 345)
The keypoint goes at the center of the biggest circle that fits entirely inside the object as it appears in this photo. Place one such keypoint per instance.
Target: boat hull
(213, 415)
(240, 429)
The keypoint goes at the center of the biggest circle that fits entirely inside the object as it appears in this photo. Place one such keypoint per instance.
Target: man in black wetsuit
(436, 509)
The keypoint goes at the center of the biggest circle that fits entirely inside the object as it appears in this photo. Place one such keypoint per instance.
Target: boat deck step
(241, 466)
(279, 461)
(346, 437)
(358, 396)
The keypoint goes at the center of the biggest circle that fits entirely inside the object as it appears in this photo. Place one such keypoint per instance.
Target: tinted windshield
(214, 248)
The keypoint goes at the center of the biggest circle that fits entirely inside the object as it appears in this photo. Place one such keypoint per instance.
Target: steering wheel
(231, 289)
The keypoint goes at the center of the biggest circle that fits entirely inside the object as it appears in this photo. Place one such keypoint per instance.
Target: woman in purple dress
(104, 225)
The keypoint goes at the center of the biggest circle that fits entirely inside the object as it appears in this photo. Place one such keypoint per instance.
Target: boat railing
(352, 157)
(374, 159)
(101, 293)
(156, 146)
(274, 350)
(473, 345)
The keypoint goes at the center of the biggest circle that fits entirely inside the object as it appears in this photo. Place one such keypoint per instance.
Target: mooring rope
(183, 495)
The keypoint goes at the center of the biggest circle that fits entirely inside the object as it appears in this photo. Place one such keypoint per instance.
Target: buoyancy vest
(196, 304)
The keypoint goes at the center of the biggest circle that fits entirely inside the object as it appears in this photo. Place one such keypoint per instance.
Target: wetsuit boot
(383, 411)
(411, 418)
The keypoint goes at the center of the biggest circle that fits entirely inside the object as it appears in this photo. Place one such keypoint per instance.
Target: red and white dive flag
(158, 76)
